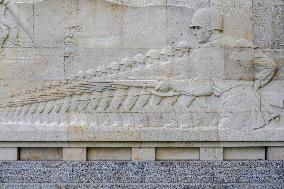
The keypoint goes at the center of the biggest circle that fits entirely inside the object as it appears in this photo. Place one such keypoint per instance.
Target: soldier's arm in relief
(265, 69)
(192, 87)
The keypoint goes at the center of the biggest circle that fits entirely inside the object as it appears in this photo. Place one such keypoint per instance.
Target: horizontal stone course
(142, 174)
(144, 186)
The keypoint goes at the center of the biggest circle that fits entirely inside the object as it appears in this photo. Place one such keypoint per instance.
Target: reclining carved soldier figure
(237, 96)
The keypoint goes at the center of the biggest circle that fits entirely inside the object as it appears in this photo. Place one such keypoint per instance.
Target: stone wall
(128, 80)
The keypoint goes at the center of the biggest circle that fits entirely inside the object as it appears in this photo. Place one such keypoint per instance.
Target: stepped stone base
(141, 175)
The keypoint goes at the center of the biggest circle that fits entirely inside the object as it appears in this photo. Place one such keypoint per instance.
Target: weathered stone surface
(160, 174)
(142, 71)
(237, 17)
(268, 25)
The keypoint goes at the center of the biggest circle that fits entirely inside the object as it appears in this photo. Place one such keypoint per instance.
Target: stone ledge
(43, 133)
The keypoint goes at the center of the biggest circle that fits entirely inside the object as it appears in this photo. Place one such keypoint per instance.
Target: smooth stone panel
(211, 153)
(40, 154)
(39, 64)
(177, 153)
(144, 27)
(118, 153)
(8, 154)
(74, 154)
(102, 29)
(275, 153)
(249, 153)
(143, 154)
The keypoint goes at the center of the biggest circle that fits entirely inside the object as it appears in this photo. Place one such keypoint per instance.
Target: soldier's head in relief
(167, 54)
(207, 23)
(91, 73)
(101, 71)
(182, 49)
(138, 61)
(152, 56)
(114, 67)
(125, 64)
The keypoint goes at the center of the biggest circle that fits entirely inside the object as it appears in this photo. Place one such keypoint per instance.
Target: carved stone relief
(214, 81)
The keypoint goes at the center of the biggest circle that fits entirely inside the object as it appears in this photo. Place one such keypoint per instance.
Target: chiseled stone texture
(237, 17)
(268, 19)
(130, 175)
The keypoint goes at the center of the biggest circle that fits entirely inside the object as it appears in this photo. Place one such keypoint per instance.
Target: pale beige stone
(211, 153)
(51, 21)
(10, 154)
(143, 154)
(40, 153)
(237, 17)
(177, 153)
(16, 132)
(239, 64)
(268, 22)
(20, 20)
(275, 153)
(44, 64)
(248, 153)
(147, 34)
(104, 27)
(194, 4)
(222, 98)
(110, 153)
(74, 154)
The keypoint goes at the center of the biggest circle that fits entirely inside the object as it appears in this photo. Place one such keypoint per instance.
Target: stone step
(142, 174)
